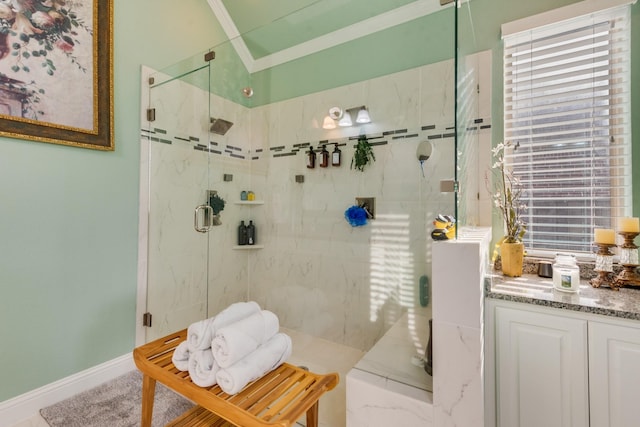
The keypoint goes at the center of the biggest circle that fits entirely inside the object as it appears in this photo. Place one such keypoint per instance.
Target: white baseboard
(27, 405)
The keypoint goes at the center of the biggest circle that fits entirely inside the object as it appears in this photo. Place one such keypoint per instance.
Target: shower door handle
(207, 214)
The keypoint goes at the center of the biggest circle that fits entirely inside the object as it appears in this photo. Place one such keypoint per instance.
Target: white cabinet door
(541, 370)
(614, 367)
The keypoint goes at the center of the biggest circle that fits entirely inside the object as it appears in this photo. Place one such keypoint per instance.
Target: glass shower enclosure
(212, 129)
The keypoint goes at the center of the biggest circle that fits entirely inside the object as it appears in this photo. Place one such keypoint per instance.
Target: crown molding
(232, 33)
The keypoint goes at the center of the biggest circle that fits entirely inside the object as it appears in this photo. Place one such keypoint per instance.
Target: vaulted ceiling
(266, 33)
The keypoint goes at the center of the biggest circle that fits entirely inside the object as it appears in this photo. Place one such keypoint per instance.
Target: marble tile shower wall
(320, 275)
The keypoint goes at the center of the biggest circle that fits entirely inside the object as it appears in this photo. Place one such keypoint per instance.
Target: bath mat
(116, 403)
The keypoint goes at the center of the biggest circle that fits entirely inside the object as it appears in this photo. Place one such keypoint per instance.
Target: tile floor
(319, 356)
(323, 356)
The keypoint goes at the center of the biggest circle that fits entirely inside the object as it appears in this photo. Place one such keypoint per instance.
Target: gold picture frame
(56, 72)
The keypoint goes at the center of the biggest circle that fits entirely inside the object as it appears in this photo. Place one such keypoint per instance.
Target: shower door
(178, 182)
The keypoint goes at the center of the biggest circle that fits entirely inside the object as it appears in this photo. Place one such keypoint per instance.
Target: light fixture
(363, 116)
(335, 113)
(328, 123)
(345, 120)
(247, 92)
(344, 117)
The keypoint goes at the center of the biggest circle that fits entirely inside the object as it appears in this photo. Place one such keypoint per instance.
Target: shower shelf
(250, 202)
(248, 247)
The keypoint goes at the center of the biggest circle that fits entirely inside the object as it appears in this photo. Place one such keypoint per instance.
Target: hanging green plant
(363, 154)
(217, 203)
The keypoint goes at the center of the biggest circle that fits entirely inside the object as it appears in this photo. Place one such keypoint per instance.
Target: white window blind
(567, 117)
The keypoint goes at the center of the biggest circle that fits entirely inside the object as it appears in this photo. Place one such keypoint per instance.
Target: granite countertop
(531, 289)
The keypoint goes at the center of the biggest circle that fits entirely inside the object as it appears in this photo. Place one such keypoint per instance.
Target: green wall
(426, 40)
(69, 217)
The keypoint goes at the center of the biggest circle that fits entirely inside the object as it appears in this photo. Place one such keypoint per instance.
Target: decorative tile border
(429, 131)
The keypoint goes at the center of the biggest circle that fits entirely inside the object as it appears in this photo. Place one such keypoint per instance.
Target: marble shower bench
(459, 268)
(385, 388)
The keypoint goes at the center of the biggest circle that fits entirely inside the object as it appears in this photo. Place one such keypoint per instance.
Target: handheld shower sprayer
(424, 151)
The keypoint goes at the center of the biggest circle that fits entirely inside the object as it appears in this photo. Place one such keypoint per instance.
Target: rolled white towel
(200, 334)
(234, 313)
(235, 341)
(264, 359)
(180, 356)
(203, 368)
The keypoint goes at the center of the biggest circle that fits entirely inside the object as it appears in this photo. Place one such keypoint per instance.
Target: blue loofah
(356, 216)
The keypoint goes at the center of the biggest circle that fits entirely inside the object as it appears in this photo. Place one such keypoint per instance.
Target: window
(567, 117)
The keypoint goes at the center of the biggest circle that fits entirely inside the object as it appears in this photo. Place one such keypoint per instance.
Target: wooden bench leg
(312, 415)
(148, 394)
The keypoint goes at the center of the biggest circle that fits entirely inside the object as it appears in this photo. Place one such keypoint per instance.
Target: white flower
(506, 196)
(42, 20)
(6, 12)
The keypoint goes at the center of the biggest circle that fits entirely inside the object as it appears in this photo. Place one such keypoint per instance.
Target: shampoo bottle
(251, 233)
(242, 234)
(311, 158)
(336, 156)
(324, 157)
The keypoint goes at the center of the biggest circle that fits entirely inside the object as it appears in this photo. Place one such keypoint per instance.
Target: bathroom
(96, 221)
(318, 210)
(333, 285)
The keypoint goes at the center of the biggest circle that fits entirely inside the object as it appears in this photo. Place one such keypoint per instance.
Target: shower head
(220, 126)
(423, 153)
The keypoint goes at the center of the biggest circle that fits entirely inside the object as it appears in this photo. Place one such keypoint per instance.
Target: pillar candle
(605, 236)
(630, 225)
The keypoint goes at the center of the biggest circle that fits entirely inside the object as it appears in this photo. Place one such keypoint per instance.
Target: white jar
(566, 274)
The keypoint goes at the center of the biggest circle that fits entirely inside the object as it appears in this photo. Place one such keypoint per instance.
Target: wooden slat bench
(277, 399)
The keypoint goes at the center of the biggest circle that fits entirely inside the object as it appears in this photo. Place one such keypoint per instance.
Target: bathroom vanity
(561, 359)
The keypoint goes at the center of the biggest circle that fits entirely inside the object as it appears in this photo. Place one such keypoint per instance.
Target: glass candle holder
(604, 266)
(604, 257)
(604, 263)
(627, 256)
(629, 261)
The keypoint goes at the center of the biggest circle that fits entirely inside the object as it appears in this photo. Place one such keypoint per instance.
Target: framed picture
(56, 71)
